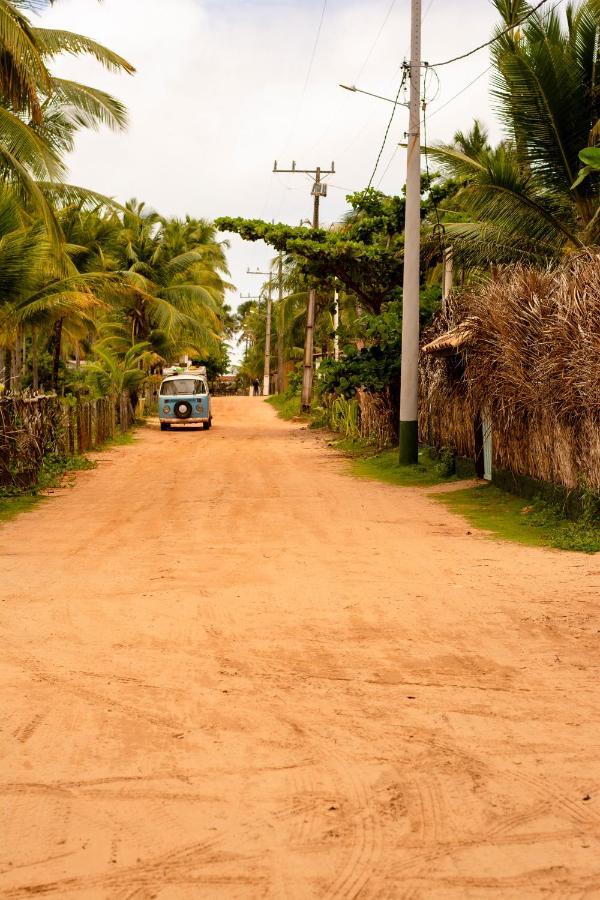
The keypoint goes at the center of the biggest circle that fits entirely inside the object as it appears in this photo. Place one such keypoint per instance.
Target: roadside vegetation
(95, 295)
(529, 204)
(287, 406)
(536, 523)
(53, 474)
(504, 516)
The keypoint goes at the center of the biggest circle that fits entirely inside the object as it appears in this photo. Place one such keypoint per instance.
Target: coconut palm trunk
(56, 352)
(35, 374)
(7, 369)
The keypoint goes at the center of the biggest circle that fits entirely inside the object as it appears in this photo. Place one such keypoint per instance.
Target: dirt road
(230, 670)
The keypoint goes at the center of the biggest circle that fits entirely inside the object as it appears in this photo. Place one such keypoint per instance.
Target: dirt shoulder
(230, 670)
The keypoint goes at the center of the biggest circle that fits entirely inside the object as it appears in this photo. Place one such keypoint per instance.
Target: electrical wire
(376, 41)
(428, 10)
(462, 91)
(389, 125)
(439, 226)
(437, 89)
(387, 168)
(497, 37)
(307, 78)
(434, 113)
(314, 50)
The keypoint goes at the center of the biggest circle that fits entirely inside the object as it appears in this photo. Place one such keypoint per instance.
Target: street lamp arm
(355, 90)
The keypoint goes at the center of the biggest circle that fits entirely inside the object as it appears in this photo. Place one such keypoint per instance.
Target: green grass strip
(385, 467)
(511, 518)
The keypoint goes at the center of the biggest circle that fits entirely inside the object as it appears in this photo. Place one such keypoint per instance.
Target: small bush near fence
(367, 416)
(35, 428)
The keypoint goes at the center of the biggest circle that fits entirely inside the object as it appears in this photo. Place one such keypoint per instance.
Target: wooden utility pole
(409, 385)
(319, 190)
(267, 363)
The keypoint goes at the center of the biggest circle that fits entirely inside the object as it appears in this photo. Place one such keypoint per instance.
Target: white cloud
(218, 95)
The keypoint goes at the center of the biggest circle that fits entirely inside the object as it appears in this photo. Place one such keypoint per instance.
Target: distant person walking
(255, 388)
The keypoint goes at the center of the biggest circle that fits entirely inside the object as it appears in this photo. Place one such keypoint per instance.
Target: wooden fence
(29, 430)
(34, 427)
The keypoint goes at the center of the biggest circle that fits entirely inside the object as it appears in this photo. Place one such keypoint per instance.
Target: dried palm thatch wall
(528, 352)
(378, 418)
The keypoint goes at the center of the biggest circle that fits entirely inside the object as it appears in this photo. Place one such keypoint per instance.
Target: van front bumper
(192, 420)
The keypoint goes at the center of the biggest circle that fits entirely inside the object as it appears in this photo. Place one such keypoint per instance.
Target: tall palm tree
(40, 114)
(173, 274)
(518, 197)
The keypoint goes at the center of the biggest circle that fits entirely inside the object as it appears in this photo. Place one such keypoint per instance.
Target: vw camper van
(184, 400)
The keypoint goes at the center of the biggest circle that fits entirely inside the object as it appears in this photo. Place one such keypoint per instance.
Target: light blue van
(184, 400)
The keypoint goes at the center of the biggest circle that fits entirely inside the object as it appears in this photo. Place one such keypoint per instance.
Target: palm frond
(53, 41)
(90, 107)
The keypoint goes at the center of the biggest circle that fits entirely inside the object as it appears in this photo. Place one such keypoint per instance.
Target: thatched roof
(452, 341)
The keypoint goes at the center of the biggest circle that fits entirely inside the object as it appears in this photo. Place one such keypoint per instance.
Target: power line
(434, 113)
(439, 226)
(500, 34)
(387, 130)
(462, 91)
(376, 41)
(387, 168)
(428, 10)
(314, 50)
(308, 74)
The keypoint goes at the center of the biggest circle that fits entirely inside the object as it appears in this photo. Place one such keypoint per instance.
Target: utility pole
(319, 190)
(248, 297)
(409, 385)
(280, 324)
(336, 322)
(267, 364)
(448, 279)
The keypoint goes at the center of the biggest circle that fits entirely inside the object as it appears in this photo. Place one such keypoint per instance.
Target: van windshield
(182, 386)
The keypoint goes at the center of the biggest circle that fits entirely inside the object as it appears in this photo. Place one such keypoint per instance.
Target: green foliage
(14, 501)
(539, 524)
(40, 114)
(12, 506)
(590, 157)
(522, 200)
(446, 462)
(216, 362)
(365, 253)
(295, 381)
(385, 467)
(343, 417)
(287, 406)
(376, 365)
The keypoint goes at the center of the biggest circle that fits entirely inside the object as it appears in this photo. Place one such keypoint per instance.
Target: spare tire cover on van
(183, 409)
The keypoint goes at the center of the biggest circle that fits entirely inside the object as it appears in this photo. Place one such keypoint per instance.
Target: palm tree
(519, 198)
(173, 281)
(40, 114)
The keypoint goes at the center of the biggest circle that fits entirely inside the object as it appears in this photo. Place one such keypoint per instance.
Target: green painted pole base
(409, 443)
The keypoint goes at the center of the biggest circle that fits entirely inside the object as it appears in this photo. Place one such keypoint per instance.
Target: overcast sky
(225, 87)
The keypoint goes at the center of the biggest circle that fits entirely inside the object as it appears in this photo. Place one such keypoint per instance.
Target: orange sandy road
(229, 670)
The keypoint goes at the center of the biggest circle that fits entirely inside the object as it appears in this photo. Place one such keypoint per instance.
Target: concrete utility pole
(409, 385)
(280, 324)
(267, 365)
(319, 190)
(448, 279)
(336, 322)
